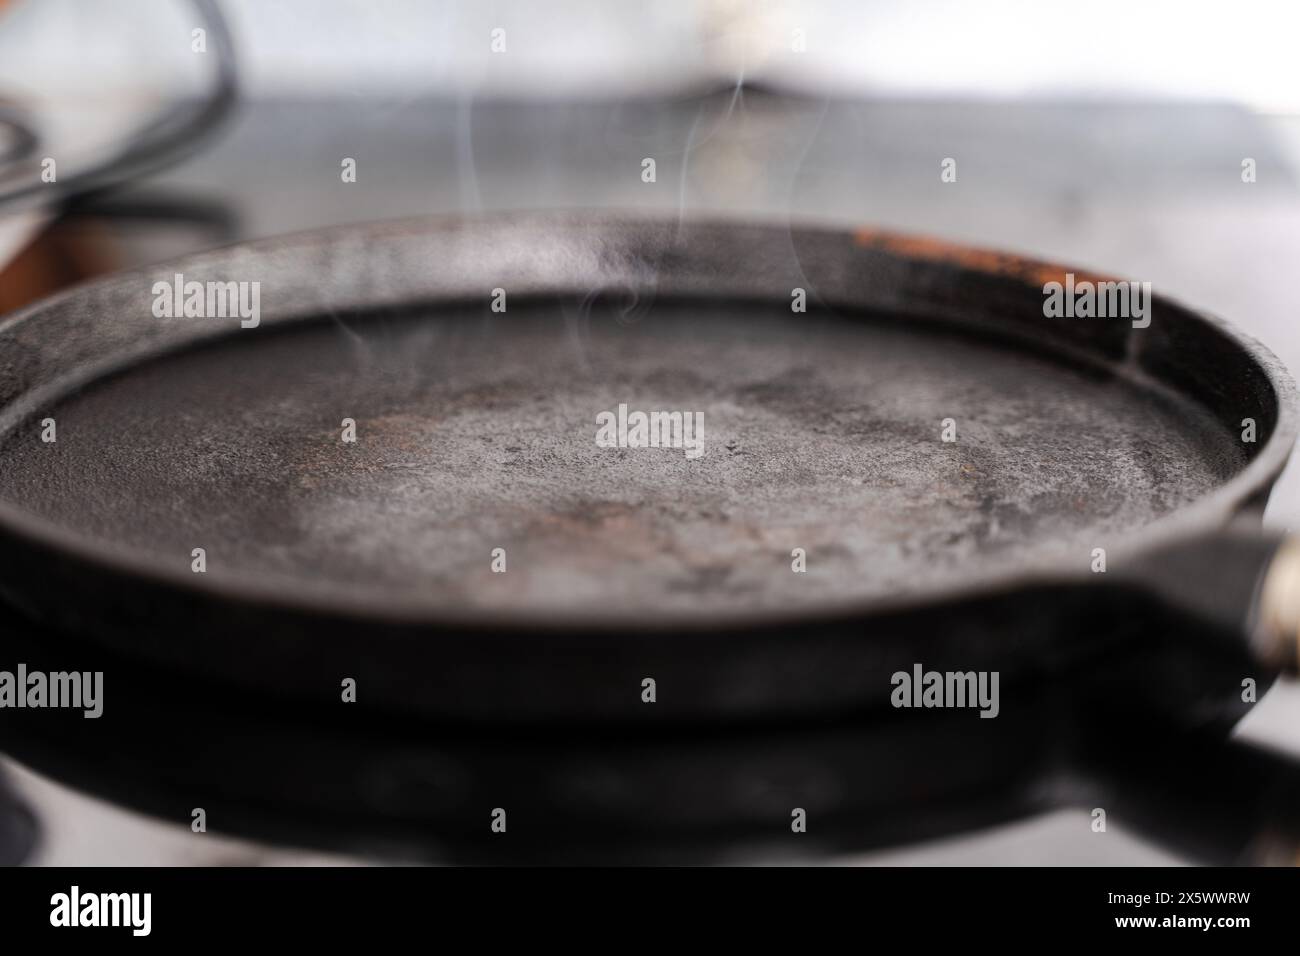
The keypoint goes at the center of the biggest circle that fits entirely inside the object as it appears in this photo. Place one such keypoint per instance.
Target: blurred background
(1110, 135)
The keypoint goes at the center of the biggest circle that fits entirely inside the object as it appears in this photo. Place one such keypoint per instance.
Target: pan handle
(1275, 635)
(1245, 582)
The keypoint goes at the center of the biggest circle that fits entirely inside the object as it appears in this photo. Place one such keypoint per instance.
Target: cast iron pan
(475, 430)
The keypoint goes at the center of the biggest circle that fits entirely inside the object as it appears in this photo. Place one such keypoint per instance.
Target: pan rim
(300, 598)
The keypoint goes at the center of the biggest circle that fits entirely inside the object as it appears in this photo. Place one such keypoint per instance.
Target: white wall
(1242, 50)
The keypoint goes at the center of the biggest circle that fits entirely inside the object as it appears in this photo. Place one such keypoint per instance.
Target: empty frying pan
(385, 453)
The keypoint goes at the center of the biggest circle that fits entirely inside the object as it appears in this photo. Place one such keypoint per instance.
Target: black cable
(166, 140)
(22, 138)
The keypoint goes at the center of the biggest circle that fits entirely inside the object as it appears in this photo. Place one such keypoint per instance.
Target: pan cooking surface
(477, 431)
